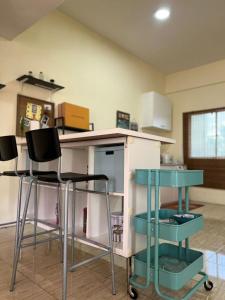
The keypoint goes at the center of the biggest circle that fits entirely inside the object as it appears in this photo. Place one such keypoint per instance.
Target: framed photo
(33, 113)
(122, 119)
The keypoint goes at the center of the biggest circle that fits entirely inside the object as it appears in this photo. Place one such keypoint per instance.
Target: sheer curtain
(221, 134)
(207, 135)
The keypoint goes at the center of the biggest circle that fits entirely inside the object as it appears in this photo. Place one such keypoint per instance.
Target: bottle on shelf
(41, 76)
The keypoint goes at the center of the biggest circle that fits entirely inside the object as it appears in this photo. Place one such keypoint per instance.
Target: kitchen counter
(106, 134)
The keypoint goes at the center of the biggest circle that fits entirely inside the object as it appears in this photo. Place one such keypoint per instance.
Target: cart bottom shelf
(176, 266)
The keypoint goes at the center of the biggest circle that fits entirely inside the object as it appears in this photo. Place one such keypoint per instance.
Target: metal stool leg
(35, 214)
(60, 221)
(73, 223)
(18, 214)
(110, 238)
(65, 246)
(18, 246)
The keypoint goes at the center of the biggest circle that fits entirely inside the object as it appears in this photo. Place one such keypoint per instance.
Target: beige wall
(196, 89)
(96, 73)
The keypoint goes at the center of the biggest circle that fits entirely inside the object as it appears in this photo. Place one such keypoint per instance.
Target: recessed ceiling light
(162, 14)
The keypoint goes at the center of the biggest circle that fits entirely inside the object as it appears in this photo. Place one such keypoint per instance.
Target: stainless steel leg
(73, 224)
(110, 237)
(66, 201)
(18, 213)
(60, 221)
(35, 214)
(16, 257)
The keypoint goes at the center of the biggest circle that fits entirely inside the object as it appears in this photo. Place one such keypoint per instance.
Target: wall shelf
(2, 86)
(40, 83)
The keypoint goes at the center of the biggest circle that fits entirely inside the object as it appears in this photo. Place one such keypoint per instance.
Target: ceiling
(18, 15)
(193, 36)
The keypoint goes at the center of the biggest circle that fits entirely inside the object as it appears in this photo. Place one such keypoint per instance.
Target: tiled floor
(39, 276)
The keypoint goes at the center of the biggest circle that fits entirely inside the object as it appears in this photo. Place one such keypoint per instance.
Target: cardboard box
(74, 116)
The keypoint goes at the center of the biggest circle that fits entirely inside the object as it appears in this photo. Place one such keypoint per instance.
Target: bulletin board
(33, 113)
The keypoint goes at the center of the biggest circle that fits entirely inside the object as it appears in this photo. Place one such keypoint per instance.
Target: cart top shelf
(171, 178)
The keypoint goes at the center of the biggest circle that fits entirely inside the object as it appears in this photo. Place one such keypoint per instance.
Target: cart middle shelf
(169, 230)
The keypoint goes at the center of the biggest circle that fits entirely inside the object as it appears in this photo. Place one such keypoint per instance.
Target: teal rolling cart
(169, 265)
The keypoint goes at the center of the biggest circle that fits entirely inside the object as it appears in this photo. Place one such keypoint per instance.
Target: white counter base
(141, 150)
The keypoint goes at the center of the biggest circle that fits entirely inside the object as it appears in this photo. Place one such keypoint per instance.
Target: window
(204, 144)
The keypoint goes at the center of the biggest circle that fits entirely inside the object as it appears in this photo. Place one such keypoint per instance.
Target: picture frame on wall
(122, 119)
(33, 114)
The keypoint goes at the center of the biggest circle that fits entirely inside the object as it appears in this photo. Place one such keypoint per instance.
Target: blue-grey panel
(110, 161)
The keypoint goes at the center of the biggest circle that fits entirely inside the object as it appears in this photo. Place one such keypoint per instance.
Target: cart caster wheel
(133, 293)
(208, 285)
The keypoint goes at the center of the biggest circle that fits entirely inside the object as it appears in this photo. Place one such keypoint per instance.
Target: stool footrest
(88, 260)
(90, 191)
(45, 223)
(27, 236)
(90, 241)
(40, 242)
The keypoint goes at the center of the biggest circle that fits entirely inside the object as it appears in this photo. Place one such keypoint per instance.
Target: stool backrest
(8, 148)
(43, 144)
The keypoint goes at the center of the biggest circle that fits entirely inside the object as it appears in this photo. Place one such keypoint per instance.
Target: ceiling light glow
(162, 14)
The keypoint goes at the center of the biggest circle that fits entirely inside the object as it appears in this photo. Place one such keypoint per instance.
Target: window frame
(214, 168)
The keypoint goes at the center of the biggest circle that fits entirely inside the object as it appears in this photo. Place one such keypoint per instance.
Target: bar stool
(8, 152)
(44, 146)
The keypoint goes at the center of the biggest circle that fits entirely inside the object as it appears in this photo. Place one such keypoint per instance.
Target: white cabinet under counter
(140, 150)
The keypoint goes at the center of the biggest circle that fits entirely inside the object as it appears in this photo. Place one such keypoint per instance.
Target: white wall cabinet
(156, 111)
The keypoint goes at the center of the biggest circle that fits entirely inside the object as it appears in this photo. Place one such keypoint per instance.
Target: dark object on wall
(40, 83)
(33, 113)
(122, 119)
(2, 86)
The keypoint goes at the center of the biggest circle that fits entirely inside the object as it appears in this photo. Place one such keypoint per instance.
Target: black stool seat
(26, 173)
(74, 177)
